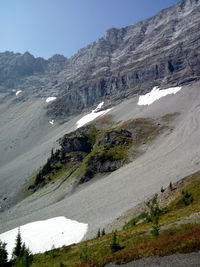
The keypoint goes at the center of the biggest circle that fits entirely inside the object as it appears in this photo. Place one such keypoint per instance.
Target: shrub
(162, 189)
(187, 198)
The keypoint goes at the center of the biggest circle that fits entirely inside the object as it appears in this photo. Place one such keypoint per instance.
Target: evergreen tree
(52, 155)
(171, 186)
(103, 232)
(47, 167)
(114, 245)
(187, 198)
(27, 257)
(22, 257)
(62, 155)
(17, 251)
(98, 233)
(39, 178)
(3, 254)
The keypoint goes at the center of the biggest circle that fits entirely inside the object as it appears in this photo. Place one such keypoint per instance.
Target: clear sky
(48, 27)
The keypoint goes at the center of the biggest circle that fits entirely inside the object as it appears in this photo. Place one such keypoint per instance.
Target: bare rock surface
(160, 51)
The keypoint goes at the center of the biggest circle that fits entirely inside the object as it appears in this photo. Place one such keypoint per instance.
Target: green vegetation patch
(177, 208)
(135, 240)
(133, 246)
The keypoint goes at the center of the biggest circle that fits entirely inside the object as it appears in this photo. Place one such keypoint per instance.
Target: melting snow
(18, 92)
(93, 115)
(51, 122)
(41, 236)
(98, 107)
(156, 94)
(49, 99)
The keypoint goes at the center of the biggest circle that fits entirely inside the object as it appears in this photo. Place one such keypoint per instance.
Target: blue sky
(48, 27)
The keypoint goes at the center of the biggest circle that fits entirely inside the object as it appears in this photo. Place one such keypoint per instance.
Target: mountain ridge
(161, 50)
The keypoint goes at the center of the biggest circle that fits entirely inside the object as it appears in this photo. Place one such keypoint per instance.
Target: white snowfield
(156, 94)
(92, 116)
(18, 92)
(41, 236)
(50, 99)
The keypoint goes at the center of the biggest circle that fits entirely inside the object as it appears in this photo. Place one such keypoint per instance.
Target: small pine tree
(187, 198)
(98, 233)
(18, 249)
(3, 254)
(52, 154)
(25, 259)
(39, 178)
(47, 167)
(103, 232)
(114, 245)
(21, 257)
(62, 154)
(171, 186)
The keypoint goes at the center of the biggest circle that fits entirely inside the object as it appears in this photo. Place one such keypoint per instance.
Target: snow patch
(41, 236)
(156, 94)
(98, 107)
(93, 115)
(18, 92)
(51, 122)
(50, 99)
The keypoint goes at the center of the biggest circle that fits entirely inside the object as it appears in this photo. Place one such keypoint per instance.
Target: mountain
(160, 140)
(159, 51)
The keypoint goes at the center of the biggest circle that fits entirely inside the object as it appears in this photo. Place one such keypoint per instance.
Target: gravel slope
(176, 260)
(173, 156)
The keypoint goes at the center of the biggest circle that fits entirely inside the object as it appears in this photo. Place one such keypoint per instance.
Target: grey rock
(160, 51)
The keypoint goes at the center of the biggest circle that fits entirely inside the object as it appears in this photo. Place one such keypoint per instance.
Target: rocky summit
(160, 51)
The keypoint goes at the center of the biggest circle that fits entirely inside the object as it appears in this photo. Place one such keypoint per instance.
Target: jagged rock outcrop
(87, 151)
(160, 51)
(77, 141)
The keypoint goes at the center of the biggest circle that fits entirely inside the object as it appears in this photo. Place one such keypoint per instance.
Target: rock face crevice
(163, 50)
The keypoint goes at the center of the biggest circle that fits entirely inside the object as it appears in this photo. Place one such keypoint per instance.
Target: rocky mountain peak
(160, 51)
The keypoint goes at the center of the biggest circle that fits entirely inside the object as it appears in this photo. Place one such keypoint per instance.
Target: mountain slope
(171, 157)
(128, 61)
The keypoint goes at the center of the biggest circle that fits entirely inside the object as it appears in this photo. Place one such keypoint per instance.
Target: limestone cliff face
(163, 50)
